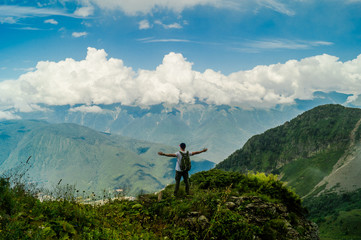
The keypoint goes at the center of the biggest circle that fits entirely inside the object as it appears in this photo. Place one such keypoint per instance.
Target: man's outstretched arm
(167, 154)
(198, 152)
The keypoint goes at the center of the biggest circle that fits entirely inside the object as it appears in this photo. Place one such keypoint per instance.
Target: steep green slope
(318, 154)
(223, 205)
(11, 133)
(338, 215)
(303, 151)
(91, 160)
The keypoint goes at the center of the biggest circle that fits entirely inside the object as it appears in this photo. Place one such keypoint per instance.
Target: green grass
(338, 215)
(343, 225)
(305, 173)
(202, 215)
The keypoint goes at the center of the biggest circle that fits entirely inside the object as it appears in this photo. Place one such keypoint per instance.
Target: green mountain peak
(318, 154)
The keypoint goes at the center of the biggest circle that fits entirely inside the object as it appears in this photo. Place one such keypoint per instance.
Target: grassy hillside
(11, 134)
(223, 205)
(338, 215)
(303, 151)
(88, 159)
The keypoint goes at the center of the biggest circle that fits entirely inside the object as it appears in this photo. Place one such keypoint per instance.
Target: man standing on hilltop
(182, 166)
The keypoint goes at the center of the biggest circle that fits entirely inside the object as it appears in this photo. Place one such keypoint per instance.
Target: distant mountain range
(223, 129)
(90, 160)
(317, 153)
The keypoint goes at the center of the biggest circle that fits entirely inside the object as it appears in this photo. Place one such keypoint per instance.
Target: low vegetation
(222, 205)
(338, 215)
(303, 151)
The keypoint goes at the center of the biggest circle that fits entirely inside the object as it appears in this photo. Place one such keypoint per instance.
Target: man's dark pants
(178, 176)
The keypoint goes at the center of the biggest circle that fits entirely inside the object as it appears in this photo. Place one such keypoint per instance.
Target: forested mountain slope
(302, 151)
(317, 153)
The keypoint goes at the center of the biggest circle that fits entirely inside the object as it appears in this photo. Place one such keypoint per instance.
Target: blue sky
(223, 35)
(226, 36)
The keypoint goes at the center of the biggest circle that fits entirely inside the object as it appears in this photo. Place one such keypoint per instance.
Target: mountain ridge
(91, 160)
(307, 136)
(318, 154)
(221, 128)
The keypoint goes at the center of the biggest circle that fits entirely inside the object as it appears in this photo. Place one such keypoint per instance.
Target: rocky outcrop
(276, 220)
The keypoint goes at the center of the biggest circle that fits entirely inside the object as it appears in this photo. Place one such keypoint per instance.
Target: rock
(203, 219)
(193, 214)
(160, 196)
(231, 205)
(203, 222)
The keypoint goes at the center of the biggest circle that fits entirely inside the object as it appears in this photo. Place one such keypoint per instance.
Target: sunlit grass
(222, 205)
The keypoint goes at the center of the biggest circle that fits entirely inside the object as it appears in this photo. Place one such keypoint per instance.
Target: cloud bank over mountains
(147, 6)
(101, 80)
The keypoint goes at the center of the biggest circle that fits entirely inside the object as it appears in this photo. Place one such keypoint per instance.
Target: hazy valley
(90, 160)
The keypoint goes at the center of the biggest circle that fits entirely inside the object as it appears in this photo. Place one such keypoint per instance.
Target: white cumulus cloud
(84, 11)
(101, 80)
(144, 24)
(51, 21)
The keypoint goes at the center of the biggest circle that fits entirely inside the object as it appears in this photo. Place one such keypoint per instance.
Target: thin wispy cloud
(135, 7)
(145, 24)
(168, 26)
(148, 6)
(51, 21)
(320, 43)
(12, 13)
(163, 40)
(284, 44)
(87, 109)
(7, 115)
(30, 28)
(25, 69)
(9, 20)
(353, 1)
(20, 11)
(276, 6)
(79, 34)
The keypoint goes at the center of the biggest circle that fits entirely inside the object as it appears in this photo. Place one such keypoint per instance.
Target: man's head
(183, 146)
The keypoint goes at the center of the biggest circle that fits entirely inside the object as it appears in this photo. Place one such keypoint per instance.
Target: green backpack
(185, 163)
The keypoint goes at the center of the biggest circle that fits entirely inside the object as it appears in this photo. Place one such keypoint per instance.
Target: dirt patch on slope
(345, 176)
